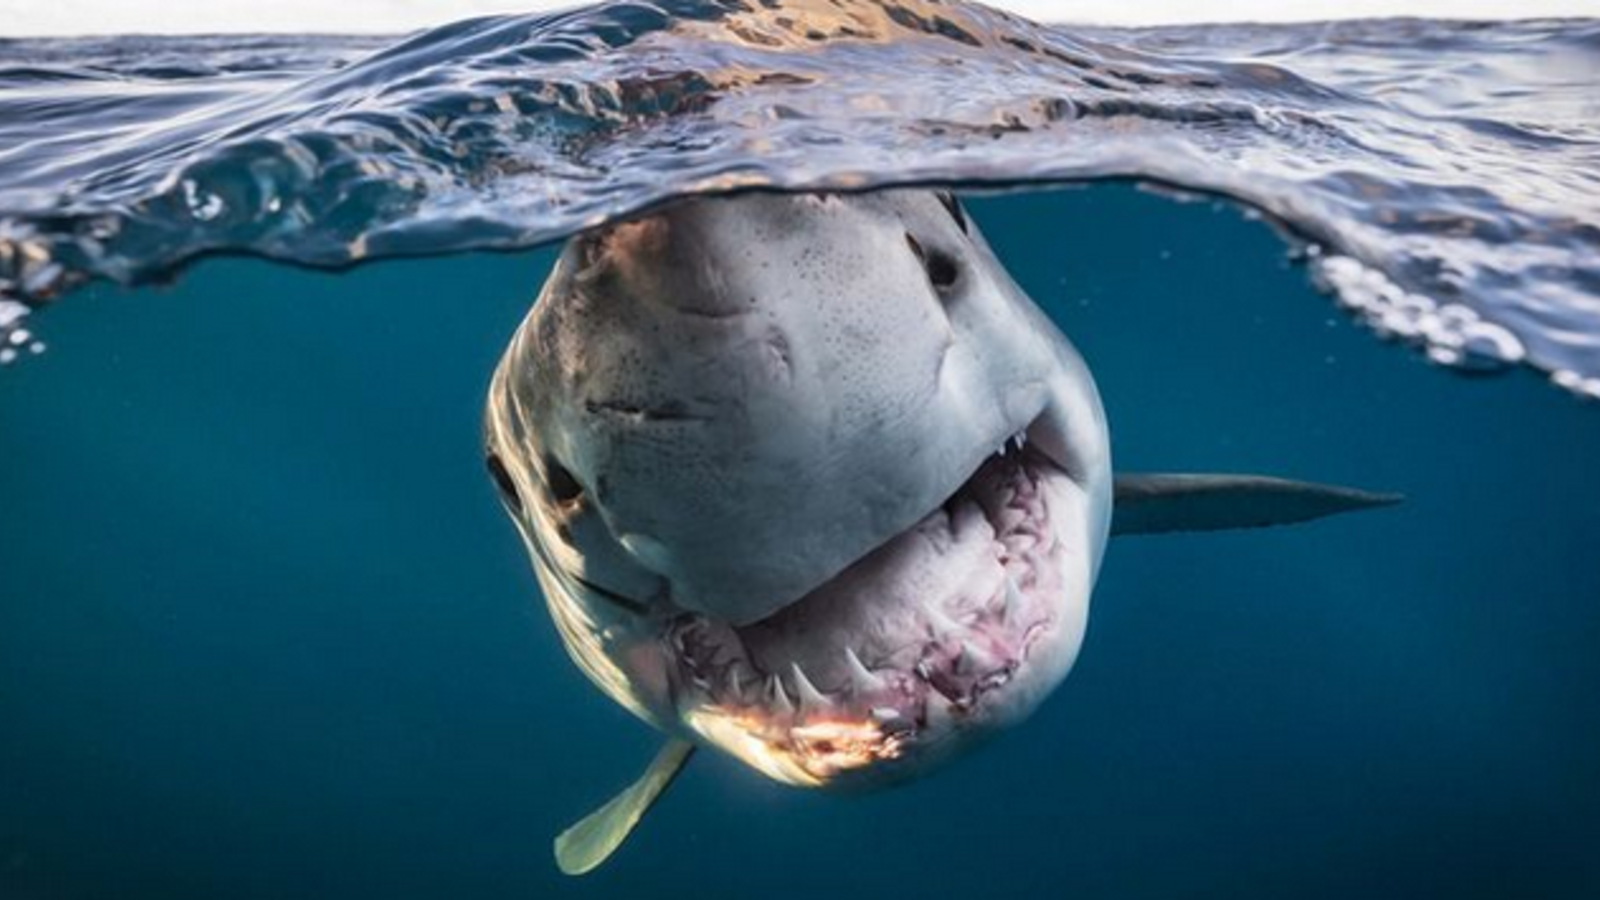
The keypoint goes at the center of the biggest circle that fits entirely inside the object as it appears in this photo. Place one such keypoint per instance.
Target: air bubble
(1576, 383)
(12, 312)
(15, 339)
(1485, 343)
(203, 205)
(1449, 335)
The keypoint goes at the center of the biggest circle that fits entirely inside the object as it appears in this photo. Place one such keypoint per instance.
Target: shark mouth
(932, 636)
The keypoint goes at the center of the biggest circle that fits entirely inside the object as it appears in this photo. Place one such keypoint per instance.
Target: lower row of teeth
(880, 693)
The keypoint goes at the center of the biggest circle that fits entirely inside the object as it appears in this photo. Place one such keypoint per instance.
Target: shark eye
(941, 267)
(956, 212)
(502, 481)
(564, 486)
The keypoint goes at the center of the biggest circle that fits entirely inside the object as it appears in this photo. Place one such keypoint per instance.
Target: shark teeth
(934, 657)
(1015, 604)
(862, 679)
(1012, 444)
(777, 699)
(811, 699)
(1009, 603)
(960, 660)
(939, 623)
(885, 713)
(974, 659)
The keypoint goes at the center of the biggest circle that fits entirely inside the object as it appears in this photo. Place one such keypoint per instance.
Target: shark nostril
(502, 481)
(564, 486)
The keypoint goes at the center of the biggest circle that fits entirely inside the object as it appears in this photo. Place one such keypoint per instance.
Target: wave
(1442, 179)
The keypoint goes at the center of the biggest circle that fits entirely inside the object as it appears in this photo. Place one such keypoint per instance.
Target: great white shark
(809, 479)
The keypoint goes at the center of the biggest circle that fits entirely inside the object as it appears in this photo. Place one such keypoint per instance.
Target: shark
(809, 479)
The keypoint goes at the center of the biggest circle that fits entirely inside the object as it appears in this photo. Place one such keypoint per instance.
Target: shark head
(807, 478)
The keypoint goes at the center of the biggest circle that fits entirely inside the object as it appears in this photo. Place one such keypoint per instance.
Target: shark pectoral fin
(593, 839)
(1152, 504)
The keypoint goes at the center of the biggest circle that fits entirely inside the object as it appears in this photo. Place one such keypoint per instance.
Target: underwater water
(266, 631)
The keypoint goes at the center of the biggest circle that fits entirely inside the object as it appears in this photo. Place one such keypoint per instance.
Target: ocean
(265, 631)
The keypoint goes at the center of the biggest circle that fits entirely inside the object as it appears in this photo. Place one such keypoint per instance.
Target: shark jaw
(953, 629)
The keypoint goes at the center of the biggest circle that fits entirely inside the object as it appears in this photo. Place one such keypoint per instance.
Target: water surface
(1446, 175)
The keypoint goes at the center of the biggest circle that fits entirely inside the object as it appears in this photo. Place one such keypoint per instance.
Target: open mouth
(929, 635)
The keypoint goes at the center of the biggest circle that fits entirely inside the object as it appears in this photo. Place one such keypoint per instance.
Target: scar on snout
(776, 347)
(671, 411)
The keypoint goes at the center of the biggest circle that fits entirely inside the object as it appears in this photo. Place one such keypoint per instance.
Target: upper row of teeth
(1014, 443)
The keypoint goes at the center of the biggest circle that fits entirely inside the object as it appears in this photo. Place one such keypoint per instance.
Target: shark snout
(663, 260)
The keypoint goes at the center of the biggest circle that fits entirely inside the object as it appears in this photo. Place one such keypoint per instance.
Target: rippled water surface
(1444, 177)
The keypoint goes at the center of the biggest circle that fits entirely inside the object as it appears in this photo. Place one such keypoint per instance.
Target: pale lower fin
(1156, 503)
(588, 843)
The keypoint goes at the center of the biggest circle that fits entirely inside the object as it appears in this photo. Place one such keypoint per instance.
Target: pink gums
(904, 647)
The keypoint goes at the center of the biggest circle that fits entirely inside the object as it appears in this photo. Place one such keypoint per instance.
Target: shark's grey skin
(810, 479)
(738, 433)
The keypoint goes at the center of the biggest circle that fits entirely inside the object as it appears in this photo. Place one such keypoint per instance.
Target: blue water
(266, 633)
